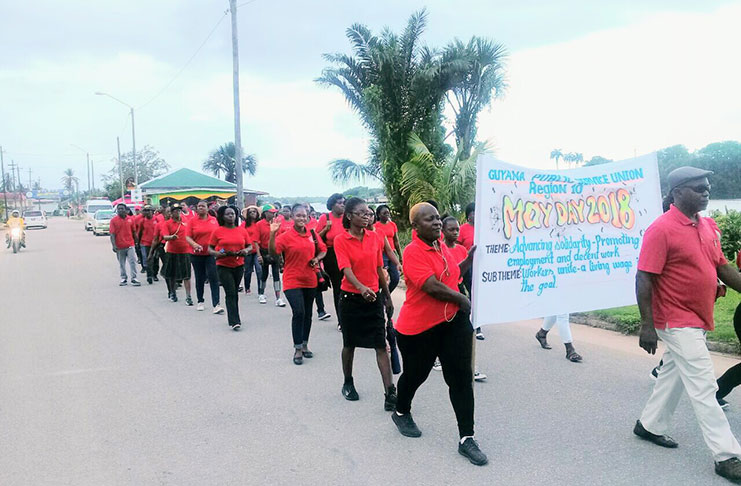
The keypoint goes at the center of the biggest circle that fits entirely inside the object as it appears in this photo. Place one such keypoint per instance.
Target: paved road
(101, 385)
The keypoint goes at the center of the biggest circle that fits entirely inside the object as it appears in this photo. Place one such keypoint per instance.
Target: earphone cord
(446, 269)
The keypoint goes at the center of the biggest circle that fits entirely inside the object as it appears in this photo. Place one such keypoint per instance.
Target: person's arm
(194, 244)
(385, 288)
(366, 292)
(134, 234)
(730, 276)
(390, 252)
(155, 245)
(216, 254)
(648, 339)
(274, 228)
(113, 242)
(397, 245)
(438, 290)
(327, 226)
(466, 264)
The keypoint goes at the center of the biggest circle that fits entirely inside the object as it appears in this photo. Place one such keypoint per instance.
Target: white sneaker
(478, 376)
(200, 306)
(279, 302)
(437, 366)
(218, 310)
(261, 299)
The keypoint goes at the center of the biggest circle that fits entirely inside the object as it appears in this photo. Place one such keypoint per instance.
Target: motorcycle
(15, 239)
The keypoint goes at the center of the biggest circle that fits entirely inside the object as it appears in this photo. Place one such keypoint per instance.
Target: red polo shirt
(362, 257)
(465, 237)
(297, 250)
(263, 231)
(230, 239)
(179, 228)
(420, 310)
(254, 231)
(311, 224)
(285, 225)
(122, 229)
(146, 225)
(389, 230)
(334, 231)
(684, 256)
(200, 231)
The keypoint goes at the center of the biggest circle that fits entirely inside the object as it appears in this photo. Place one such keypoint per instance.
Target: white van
(93, 205)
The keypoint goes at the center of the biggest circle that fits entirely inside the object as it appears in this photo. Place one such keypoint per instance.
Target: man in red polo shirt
(123, 239)
(678, 268)
(145, 232)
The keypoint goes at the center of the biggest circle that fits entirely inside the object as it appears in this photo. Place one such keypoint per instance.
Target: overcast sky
(609, 78)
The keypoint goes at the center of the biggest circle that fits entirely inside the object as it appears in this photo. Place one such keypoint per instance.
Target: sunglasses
(699, 189)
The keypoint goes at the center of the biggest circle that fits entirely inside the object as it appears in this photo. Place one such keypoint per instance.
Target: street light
(133, 135)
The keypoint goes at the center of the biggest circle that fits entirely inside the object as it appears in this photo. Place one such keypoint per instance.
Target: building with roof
(182, 184)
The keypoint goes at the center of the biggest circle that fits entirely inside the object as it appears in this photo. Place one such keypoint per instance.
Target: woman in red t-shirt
(359, 257)
(253, 261)
(156, 255)
(385, 226)
(302, 251)
(230, 243)
(204, 265)
(329, 226)
(434, 322)
(177, 261)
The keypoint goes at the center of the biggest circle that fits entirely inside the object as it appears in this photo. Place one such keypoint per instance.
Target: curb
(591, 321)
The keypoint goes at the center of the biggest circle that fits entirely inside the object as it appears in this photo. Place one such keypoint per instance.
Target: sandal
(298, 358)
(307, 354)
(543, 340)
(573, 356)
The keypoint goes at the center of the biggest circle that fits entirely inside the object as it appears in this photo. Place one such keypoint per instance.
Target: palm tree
(556, 154)
(69, 180)
(476, 74)
(223, 160)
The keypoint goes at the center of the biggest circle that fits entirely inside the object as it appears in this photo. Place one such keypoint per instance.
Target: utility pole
(133, 149)
(5, 183)
(237, 125)
(92, 173)
(120, 172)
(87, 155)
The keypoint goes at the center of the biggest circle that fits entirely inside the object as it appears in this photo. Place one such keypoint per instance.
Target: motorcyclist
(15, 221)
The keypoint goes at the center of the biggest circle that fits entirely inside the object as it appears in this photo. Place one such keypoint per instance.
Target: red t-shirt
(179, 228)
(420, 310)
(146, 226)
(230, 239)
(122, 229)
(158, 218)
(285, 225)
(297, 250)
(684, 256)
(334, 231)
(362, 257)
(263, 232)
(311, 224)
(254, 231)
(465, 237)
(389, 230)
(200, 231)
(137, 221)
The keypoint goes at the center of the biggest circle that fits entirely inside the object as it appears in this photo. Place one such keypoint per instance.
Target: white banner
(552, 242)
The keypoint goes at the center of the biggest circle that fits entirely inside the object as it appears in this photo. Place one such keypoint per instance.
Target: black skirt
(176, 266)
(363, 322)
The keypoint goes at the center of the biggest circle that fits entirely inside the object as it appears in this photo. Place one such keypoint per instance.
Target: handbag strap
(316, 243)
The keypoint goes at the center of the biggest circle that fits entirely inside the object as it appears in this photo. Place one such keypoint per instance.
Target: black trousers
(301, 301)
(230, 278)
(731, 378)
(452, 342)
(335, 278)
(319, 302)
(273, 266)
(205, 266)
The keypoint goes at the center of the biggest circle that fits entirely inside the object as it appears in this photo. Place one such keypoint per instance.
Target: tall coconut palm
(556, 154)
(223, 160)
(69, 181)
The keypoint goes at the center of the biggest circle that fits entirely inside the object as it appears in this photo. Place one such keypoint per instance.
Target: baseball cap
(269, 208)
(176, 206)
(147, 207)
(679, 176)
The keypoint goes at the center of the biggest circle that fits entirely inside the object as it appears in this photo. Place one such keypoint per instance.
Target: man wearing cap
(678, 268)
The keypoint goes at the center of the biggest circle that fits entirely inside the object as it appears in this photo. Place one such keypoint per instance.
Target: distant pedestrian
(253, 261)
(123, 240)
(361, 311)
(329, 227)
(230, 243)
(202, 225)
(302, 254)
(385, 226)
(176, 267)
(676, 283)
(564, 332)
(434, 322)
(146, 235)
(269, 263)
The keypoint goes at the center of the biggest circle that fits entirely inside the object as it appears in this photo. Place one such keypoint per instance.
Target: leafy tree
(476, 75)
(149, 165)
(730, 230)
(556, 154)
(223, 160)
(597, 160)
(724, 159)
(70, 181)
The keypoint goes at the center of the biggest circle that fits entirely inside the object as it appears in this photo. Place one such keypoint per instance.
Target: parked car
(34, 219)
(102, 221)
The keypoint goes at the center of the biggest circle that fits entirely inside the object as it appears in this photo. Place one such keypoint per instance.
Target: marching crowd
(355, 250)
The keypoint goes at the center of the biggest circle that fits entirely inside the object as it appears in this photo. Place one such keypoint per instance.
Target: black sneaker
(123, 283)
(479, 334)
(188, 301)
(723, 404)
(135, 282)
(323, 316)
(174, 297)
(149, 280)
(655, 371)
(156, 278)
(389, 402)
(349, 392)
(660, 440)
(405, 424)
(729, 469)
(470, 449)
(235, 327)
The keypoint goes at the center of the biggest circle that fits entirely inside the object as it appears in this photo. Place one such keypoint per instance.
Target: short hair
(121, 204)
(298, 206)
(277, 205)
(222, 210)
(350, 206)
(379, 208)
(448, 219)
(470, 209)
(333, 200)
(433, 203)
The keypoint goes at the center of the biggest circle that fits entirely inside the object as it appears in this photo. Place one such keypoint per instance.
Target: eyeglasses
(699, 189)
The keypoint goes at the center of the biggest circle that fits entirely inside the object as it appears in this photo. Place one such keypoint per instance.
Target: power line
(187, 62)
(245, 3)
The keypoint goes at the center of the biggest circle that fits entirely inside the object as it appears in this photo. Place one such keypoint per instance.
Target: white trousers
(564, 328)
(688, 367)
